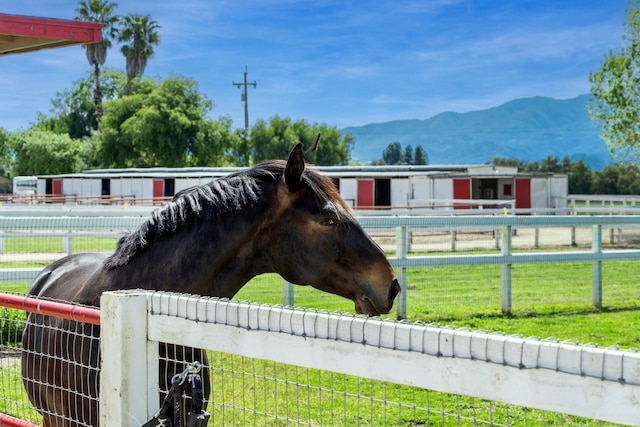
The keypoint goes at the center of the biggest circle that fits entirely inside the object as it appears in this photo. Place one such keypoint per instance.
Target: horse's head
(322, 245)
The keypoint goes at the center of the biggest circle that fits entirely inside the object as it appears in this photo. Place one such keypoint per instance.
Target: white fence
(289, 367)
(589, 382)
(70, 224)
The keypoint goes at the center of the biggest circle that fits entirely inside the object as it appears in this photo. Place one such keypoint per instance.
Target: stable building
(362, 187)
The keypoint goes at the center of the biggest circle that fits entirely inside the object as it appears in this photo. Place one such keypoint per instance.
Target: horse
(279, 216)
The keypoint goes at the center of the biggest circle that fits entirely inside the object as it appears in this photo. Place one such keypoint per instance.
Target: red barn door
(523, 193)
(365, 194)
(462, 190)
(158, 191)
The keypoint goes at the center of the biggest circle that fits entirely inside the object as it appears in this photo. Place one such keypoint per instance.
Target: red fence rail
(9, 421)
(49, 308)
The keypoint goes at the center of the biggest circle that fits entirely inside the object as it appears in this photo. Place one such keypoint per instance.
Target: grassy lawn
(549, 300)
(54, 244)
(554, 301)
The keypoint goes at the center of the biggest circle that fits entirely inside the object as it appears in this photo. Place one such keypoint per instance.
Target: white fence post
(505, 248)
(596, 280)
(124, 377)
(67, 242)
(287, 293)
(401, 273)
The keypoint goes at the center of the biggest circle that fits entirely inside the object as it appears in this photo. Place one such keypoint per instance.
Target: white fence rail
(71, 223)
(590, 382)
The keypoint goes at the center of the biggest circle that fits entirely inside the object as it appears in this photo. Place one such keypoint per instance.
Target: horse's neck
(215, 260)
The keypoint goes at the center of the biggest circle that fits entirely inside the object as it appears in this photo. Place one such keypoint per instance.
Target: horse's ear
(314, 147)
(295, 167)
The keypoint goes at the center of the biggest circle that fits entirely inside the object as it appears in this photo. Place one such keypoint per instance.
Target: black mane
(203, 203)
(193, 206)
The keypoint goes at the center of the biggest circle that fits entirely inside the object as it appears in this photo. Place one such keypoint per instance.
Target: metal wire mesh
(251, 392)
(258, 393)
(254, 392)
(13, 399)
(43, 358)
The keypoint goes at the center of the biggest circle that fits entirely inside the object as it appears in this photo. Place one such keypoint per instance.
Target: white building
(363, 187)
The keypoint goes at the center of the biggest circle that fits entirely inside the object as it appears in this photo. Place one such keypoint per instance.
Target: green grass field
(549, 300)
(54, 244)
(553, 300)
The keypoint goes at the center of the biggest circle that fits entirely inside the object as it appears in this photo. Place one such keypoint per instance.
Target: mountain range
(528, 129)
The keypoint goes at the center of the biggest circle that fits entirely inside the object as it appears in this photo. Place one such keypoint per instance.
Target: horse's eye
(329, 222)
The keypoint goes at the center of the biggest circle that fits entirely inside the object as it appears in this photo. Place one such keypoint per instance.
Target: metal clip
(191, 369)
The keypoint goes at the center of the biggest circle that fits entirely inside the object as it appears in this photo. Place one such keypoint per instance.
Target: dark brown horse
(210, 240)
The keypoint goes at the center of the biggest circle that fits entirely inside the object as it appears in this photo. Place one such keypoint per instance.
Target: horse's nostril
(395, 289)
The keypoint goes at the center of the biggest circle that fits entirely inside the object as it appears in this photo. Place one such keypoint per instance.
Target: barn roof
(20, 34)
(450, 171)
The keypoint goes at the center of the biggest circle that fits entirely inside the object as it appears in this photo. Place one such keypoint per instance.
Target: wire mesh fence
(261, 392)
(13, 397)
(254, 392)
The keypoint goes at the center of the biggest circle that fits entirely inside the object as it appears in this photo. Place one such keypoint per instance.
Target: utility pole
(244, 98)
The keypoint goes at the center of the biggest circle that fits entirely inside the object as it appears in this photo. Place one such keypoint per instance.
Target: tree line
(394, 154)
(161, 122)
(618, 178)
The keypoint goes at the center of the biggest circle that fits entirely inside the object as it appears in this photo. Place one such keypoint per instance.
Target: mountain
(528, 129)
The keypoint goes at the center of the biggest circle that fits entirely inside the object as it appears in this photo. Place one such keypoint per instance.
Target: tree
(216, 144)
(73, 111)
(628, 179)
(408, 155)
(157, 125)
(579, 178)
(606, 180)
(334, 147)
(616, 92)
(139, 33)
(392, 155)
(276, 138)
(40, 152)
(100, 11)
(420, 156)
(5, 152)
(500, 161)
(272, 140)
(552, 164)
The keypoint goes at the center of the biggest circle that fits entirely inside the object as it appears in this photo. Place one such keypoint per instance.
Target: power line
(244, 97)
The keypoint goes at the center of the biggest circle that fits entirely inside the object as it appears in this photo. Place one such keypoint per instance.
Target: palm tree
(100, 11)
(139, 33)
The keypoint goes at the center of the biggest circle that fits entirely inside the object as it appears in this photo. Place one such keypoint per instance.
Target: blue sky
(344, 63)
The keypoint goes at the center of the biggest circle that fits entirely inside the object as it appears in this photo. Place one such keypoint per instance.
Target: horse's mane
(196, 205)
